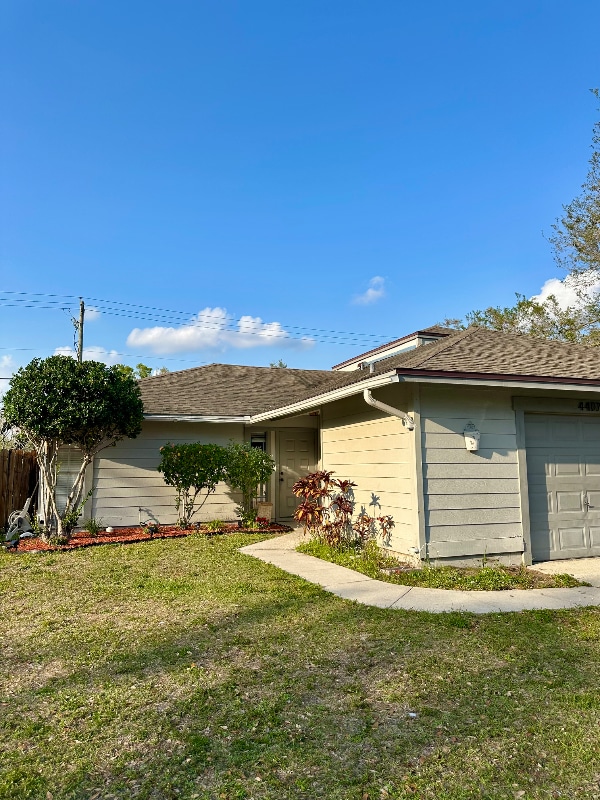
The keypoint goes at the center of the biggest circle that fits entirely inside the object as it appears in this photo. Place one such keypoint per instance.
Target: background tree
(246, 469)
(546, 320)
(57, 401)
(141, 371)
(280, 364)
(11, 438)
(191, 469)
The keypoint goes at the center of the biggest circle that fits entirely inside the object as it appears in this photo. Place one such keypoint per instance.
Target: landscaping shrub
(326, 511)
(93, 526)
(192, 469)
(246, 468)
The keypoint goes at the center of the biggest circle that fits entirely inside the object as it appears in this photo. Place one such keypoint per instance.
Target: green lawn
(490, 576)
(183, 669)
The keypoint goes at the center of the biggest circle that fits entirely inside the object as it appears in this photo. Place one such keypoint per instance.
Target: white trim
(563, 387)
(192, 418)
(327, 397)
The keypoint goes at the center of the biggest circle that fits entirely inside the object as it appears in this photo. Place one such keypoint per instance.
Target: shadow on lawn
(216, 670)
(313, 695)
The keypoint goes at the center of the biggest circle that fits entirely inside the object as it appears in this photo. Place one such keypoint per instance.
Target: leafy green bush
(215, 526)
(93, 526)
(71, 517)
(191, 469)
(246, 468)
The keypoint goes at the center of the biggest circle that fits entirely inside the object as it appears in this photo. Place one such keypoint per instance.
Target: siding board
(465, 533)
(501, 442)
(457, 425)
(439, 518)
(469, 471)
(464, 488)
(459, 455)
(350, 458)
(482, 500)
(476, 547)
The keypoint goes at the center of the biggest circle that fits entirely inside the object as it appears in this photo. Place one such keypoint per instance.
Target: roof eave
(195, 418)
(495, 379)
(325, 397)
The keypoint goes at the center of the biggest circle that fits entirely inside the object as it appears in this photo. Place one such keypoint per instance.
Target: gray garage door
(563, 472)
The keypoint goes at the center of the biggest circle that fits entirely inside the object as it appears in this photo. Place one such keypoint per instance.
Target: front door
(296, 458)
(563, 472)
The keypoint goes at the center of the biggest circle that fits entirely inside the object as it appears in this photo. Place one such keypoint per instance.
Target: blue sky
(298, 180)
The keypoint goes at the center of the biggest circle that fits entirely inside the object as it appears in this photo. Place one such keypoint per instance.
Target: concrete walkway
(584, 569)
(353, 586)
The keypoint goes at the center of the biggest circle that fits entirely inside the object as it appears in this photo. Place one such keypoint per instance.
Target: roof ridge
(213, 364)
(432, 350)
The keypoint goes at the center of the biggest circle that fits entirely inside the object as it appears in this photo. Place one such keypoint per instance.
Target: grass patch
(374, 563)
(184, 669)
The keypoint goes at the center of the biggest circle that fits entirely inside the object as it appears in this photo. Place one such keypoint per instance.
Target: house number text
(588, 405)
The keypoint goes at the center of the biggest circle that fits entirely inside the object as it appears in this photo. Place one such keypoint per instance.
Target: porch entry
(296, 457)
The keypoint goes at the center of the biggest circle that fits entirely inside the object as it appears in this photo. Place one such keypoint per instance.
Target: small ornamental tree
(57, 401)
(191, 469)
(247, 467)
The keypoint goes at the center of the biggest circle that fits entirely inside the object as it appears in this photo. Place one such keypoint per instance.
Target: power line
(281, 335)
(232, 326)
(172, 311)
(140, 312)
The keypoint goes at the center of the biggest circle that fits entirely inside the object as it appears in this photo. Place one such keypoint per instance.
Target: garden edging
(351, 585)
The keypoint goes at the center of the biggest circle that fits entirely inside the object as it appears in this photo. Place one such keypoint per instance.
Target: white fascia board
(326, 397)
(193, 418)
(563, 387)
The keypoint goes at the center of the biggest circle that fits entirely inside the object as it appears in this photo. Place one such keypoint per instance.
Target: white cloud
(374, 293)
(565, 291)
(93, 353)
(92, 314)
(7, 367)
(209, 330)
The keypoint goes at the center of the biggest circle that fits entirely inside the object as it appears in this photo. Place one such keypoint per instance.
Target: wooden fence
(18, 477)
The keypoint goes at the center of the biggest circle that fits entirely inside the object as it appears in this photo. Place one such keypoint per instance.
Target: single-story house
(478, 443)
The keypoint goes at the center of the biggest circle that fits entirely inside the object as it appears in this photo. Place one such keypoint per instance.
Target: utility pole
(80, 330)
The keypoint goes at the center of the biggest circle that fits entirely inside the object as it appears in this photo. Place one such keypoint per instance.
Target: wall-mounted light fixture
(472, 436)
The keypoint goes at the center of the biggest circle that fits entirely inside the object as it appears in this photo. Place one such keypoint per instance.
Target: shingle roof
(479, 351)
(230, 390)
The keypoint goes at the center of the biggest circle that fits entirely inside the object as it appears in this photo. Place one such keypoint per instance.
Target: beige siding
(376, 452)
(125, 477)
(472, 500)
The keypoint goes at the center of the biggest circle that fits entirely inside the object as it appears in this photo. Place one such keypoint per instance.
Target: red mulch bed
(132, 535)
